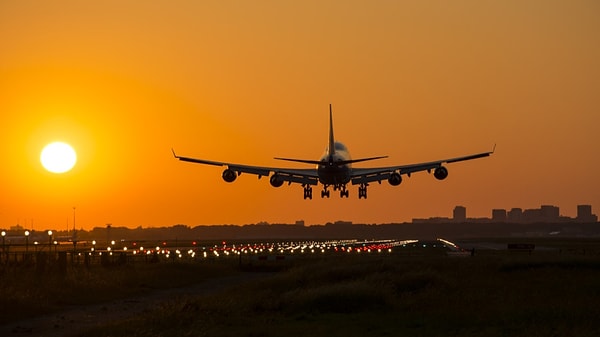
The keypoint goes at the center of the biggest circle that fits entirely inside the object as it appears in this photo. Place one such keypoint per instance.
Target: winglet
(493, 149)
(174, 155)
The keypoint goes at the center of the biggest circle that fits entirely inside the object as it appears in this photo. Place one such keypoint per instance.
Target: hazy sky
(243, 81)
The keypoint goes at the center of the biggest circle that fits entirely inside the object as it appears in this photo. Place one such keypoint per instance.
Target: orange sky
(244, 81)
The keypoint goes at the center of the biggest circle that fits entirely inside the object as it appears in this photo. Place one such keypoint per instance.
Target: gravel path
(75, 320)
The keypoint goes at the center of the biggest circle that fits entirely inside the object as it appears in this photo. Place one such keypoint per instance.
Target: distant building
(459, 214)
(532, 215)
(550, 213)
(515, 215)
(499, 215)
(584, 214)
(17, 228)
(546, 214)
(300, 223)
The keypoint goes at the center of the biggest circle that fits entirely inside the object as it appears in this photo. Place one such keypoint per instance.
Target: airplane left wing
(393, 173)
(278, 175)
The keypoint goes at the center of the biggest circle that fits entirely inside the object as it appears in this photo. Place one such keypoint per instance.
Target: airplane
(334, 169)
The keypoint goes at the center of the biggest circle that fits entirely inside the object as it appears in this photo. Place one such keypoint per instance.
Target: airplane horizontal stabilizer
(305, 161)
(343, 162)
(336, 163)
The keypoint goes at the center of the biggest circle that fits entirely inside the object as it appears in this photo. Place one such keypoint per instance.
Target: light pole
(26, 241)
(49, 239)
(4, 243)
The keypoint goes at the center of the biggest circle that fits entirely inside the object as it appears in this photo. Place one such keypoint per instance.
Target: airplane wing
(278, 175)
(367, 175)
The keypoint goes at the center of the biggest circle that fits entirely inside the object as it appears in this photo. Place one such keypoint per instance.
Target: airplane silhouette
(334, 169)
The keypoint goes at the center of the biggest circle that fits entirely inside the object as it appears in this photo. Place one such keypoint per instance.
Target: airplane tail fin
(331, 149)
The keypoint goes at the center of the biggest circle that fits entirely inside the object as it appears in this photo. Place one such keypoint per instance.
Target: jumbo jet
(334, 169)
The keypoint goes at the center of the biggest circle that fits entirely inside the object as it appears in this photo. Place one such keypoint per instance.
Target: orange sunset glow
(123, 82)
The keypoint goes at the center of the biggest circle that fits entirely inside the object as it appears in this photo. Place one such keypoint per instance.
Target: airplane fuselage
(331, 173)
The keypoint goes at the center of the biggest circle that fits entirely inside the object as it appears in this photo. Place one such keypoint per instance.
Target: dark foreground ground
(421, 291)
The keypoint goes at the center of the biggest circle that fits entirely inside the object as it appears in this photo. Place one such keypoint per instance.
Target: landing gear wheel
(344, 193)
(324, 194)
(307, 192)
(362, 191)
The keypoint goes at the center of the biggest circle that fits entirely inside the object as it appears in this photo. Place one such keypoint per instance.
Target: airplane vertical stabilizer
(331, 139)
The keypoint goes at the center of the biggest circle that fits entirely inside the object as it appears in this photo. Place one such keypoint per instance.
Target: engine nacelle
(440, 173)
(395, 179)
(229, 175)
(276, 180)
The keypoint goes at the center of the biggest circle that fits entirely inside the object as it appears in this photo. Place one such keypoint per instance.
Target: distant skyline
(123, 82)
(542, 214)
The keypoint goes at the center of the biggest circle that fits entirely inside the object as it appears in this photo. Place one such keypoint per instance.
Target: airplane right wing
(277, 175)
(393, 173)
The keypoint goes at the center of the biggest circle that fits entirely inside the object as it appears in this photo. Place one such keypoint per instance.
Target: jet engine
(276, 180)
(395, 179)
(440, 173)
(229, 175)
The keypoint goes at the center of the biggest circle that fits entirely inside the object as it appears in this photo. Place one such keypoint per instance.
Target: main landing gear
(325, 193)
(343, 192)
(362, 191)
(307, 191)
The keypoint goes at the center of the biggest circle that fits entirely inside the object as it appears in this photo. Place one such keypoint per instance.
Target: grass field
(24, 292)
(431, 295)
(424, 293)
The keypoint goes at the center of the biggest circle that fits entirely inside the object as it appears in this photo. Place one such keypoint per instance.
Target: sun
(58, 157)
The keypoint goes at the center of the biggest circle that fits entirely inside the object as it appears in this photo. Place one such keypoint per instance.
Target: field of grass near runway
(503, 294)
(27, 293)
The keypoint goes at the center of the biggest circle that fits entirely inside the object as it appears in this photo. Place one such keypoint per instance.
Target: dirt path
(74, 320)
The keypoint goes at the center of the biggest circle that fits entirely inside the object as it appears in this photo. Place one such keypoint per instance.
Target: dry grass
(500, 294)
(352, 296)
(25, 292)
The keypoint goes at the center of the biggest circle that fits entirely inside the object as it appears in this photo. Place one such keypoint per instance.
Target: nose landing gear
(325, 192)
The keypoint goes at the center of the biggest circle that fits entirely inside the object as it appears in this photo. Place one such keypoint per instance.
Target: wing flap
(299, 179)
(259, 171)
(368, 178)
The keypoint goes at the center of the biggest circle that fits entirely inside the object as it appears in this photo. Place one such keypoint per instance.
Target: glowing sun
(58, 157)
